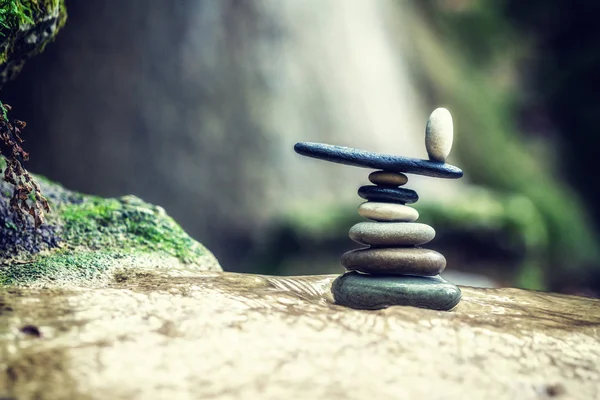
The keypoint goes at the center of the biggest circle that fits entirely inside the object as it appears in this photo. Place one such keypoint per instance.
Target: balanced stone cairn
(393, 269)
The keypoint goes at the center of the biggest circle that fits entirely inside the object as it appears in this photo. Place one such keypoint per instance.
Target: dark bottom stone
(372, 292)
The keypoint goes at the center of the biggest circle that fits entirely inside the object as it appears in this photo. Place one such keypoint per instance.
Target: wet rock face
(247, 336)
(17, 240)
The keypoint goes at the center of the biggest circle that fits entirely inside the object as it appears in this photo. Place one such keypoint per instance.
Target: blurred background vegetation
(196, 104)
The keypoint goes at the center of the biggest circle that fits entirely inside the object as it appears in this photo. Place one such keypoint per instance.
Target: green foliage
(18, 16)
(4, 111)
(327, 223)
(532, 276)
(488, 141)
(511, 219)
(478, 28)
(14, 13)
(480, 210)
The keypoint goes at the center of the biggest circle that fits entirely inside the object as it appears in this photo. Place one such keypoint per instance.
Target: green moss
(98, 234)
(62, 19)
(62, 264)
(128, 224)
(14, 13)
(4, 111)
(18, 16)
(10, 225)
(62, 14)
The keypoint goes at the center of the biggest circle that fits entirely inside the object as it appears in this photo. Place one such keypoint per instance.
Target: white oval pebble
(388, 212)
(439, 134)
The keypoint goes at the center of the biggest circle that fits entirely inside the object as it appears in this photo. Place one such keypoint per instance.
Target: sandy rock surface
(233, 336)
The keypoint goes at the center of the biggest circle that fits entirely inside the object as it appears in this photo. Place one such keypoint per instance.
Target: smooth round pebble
(391, 233)
(388, 178)
(368, 292)
(395, 261)
(388, 212)
(439, 134)
(388, 194)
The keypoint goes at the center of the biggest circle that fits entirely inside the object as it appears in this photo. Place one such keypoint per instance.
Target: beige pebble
(439, 134)
(391, 233)
(388, 212)
(388, 178)
(400, 261)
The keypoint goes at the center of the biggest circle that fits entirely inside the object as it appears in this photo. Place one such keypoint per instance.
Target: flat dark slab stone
(386, 162)
(388, 194)
(369, 292)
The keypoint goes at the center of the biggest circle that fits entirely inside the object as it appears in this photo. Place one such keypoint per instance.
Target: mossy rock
(88, 237)
(26, 27)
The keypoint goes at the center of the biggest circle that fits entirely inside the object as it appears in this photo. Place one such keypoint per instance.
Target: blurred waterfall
(196, 106)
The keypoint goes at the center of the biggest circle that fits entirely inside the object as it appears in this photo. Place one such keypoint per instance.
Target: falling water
(196, 106)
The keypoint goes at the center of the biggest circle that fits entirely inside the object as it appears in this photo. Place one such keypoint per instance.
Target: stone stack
(393, 269)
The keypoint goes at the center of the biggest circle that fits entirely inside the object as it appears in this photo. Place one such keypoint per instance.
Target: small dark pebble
(388, 194)
(31, 330)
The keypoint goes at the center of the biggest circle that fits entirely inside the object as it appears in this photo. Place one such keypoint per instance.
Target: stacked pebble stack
(393, 251)
(394, 237)
(392, 268)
